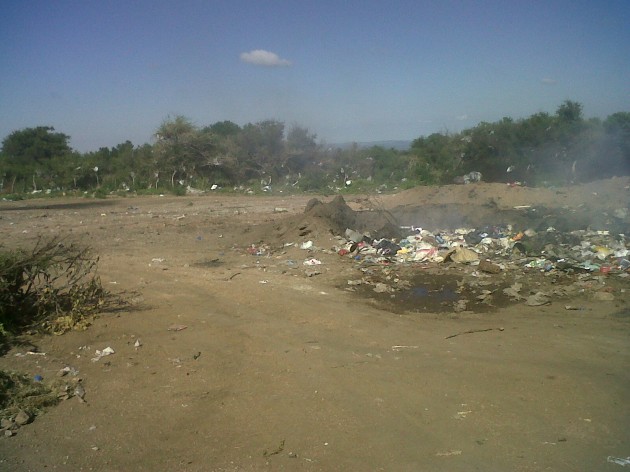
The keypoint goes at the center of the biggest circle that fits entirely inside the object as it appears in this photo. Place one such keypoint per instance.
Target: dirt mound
(323, 221)
(597, 205)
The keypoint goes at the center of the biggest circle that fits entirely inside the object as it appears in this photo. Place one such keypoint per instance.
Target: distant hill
(396, 144)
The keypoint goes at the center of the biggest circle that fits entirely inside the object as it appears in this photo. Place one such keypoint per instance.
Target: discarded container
(312, 262)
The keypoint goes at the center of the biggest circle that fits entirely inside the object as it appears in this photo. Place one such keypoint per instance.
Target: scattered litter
(449, 453)
(137, 344)
(29, 353)
(177, 327)
(108, 351)
(618, 460)
(468, 178)
(67, 370)
(574, 308)
(312, 262)
(307, 245)
(79, 392)
(460, 415)
(400, 347)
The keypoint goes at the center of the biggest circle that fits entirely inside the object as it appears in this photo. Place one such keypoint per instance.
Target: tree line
(542, 149)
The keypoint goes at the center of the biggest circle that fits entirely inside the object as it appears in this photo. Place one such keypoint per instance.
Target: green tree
(569, 111)
(438, 157)
(182, 149)
(224, 128)
(261, 150)
(28, 154)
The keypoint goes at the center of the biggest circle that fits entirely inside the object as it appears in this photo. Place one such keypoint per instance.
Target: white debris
(108, 351)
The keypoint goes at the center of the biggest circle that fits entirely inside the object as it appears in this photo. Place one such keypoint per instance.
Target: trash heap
(576, 251)
(375, 238)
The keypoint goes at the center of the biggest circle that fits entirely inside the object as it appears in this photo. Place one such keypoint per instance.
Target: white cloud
(260, 57)
(548, 81)
(462, 117)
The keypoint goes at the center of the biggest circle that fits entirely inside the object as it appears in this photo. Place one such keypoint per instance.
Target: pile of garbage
(576, 251)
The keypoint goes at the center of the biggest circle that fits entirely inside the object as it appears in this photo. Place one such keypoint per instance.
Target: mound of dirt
(322, 221)
(601, 205)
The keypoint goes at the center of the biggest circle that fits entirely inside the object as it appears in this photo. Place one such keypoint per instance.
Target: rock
(22, 418)
(537, 299)
(489, 267)
(513, 291)
(381, 288)
(6, 423)
(603, 297)
(460, 305)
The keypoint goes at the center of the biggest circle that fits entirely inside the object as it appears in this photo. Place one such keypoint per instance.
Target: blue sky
(105, 72)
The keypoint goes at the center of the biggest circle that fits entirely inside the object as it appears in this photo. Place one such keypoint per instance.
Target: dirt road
(228, 361)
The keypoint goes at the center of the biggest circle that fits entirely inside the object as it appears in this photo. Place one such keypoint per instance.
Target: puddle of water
(423, 292)
(438, 294)
(434, 293)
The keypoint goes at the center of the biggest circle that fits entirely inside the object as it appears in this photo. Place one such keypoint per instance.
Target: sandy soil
(276, 370)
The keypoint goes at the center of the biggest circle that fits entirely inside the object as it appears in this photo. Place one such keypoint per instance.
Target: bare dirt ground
(276, 370)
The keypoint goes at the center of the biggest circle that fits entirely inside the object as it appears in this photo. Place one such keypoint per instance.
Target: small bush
(52, 288)
(100, 193)
(179, 190)
(20, 392)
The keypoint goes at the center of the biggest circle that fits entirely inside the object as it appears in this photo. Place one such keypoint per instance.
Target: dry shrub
(52, 287)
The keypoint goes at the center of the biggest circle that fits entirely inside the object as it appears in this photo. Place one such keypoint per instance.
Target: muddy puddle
(433, 293)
